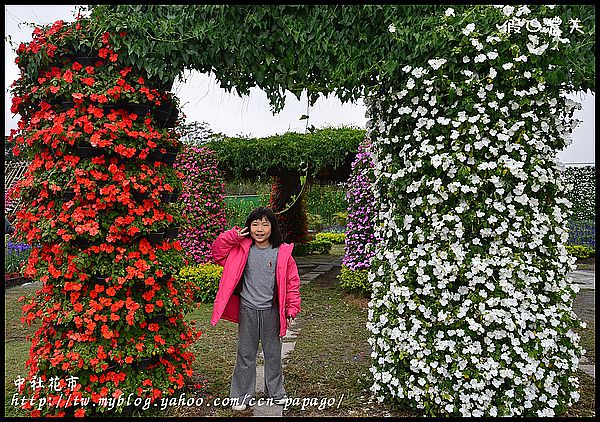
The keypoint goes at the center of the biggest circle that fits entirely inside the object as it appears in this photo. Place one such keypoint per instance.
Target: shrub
(314, 221)
(355, 280)
(238, 208)
(583, 193)
(204, 280)
(337, 238)
(326, 200)
(314, 247)
(341, 218)
(581, 251)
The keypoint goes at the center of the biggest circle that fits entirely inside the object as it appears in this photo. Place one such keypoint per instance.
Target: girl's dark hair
(257, 214)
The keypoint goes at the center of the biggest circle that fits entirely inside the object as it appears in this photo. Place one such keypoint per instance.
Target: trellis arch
(378, 51)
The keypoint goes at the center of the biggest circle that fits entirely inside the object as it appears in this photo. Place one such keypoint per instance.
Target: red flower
(68, 76)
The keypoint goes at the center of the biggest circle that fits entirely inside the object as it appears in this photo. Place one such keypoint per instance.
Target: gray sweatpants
(254, 326)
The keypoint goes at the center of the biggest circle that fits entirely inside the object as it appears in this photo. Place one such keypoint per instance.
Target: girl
(260, 290)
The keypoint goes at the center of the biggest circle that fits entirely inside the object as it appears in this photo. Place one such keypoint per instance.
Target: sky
(203, 100)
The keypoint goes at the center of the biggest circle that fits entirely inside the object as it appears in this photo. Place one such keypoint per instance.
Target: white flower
(468, 29)
(392, 28)
(507, 66)
(449, 12)
(538, 51)
(508, 10)
(480, 58)
(492, 55)
(436, 63)
(523, 10)
(417, 72)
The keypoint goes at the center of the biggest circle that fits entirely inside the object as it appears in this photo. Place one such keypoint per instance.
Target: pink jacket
(231, 251)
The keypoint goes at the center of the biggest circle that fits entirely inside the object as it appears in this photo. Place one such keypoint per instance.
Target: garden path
(584, 306)
(309, 268)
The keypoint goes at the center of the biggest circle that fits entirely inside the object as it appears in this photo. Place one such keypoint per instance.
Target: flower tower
(95, 205)
(360, 236)
(471, 312)
(203, 202)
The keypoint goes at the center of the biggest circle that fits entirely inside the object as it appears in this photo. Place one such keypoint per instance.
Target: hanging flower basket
(165, 197)
(166, 115)
(169, 158)
(155, 238)
(175, 195)
(100, 279)
(139, 196)
(68, 195)
(154, 156)
(157, 317)
(172, 232)
(86, 150)
(139, 109)
(143, 364)
(83, 243)
(67, 105)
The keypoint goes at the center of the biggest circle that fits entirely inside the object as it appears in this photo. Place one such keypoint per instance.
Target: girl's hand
(243, 232)
(290, 319)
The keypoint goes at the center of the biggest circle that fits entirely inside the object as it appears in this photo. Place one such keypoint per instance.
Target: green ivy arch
(325, 49)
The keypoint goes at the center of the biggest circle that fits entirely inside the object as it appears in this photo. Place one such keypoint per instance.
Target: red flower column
(92, 205)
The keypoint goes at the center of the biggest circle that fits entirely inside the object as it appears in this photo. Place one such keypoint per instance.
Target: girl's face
(260, 230)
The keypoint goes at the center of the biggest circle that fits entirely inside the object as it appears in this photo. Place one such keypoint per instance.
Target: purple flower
(361, 210)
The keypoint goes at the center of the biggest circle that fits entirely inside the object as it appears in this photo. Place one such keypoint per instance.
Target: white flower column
(471, 312)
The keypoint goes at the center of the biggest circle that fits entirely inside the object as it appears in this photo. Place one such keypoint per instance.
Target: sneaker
(238, 407)
(281, 401)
